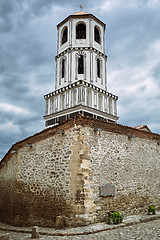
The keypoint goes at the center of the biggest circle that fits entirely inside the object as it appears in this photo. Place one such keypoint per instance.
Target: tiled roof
(143, 128)
(80, 13)
(83, 121)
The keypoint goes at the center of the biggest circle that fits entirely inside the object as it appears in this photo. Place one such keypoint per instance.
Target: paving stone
(4, 236)
(142, 231)
(35, 232)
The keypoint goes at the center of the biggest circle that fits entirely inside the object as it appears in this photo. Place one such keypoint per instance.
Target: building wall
(62, 172)
(8, 196)
(90, 68)
(131, 164)
(89, 41)
(73, 96)
(37, 188)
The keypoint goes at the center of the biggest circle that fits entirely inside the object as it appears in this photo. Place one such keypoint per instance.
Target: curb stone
(91, 229)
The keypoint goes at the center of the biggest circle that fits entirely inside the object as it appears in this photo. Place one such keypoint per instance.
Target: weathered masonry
(79, 169)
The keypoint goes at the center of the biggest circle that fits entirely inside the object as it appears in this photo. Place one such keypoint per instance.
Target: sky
(28, 36)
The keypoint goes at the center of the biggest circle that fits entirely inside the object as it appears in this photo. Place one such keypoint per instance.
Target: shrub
(114, 217)
(152, 209)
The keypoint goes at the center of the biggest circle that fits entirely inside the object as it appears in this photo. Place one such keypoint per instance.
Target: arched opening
(64, 35)
(63, 67)
(80, 65)
(81, 31)
(98, 68)
(97, 37)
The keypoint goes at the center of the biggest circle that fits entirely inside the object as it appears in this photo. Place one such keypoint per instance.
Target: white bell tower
(81, 81)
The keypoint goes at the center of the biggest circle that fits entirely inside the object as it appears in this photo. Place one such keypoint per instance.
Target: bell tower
(81, 81)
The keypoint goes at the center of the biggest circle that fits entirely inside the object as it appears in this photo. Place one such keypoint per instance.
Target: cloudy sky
(27, 67)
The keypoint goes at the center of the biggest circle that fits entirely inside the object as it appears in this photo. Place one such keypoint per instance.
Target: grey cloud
(6, 7)
(132, 31)
(156, 73)
(7, 11)
(139, 111)
(41, 6)
(10, 137)
(2, 68)
(139, 116)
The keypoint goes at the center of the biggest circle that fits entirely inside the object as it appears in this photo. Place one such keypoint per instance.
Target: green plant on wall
(152, 209)
(114, 217)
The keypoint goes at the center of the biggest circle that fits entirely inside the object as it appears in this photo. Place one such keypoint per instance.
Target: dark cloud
(27, 67)
(6, 10)
(156, 73)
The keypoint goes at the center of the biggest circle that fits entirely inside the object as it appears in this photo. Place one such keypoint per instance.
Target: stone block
(60, 222)
(107, 190)
(4, 236)
(35, 232)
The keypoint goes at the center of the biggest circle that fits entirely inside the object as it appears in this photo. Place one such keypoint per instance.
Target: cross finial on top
(81, 8)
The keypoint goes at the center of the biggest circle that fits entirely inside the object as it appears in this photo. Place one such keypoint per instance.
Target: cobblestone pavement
(144, 231)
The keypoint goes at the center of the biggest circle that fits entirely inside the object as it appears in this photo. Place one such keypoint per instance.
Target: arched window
(80, 65)
(64, 35)
(63, 67)
(98, 68)
(81, 31)
(97, 35)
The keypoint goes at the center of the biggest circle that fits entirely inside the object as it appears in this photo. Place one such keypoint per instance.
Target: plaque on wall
(107, 190)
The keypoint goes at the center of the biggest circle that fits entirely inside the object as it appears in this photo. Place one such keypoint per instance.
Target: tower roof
(81, 14)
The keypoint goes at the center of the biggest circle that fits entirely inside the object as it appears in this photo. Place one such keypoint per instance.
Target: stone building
(79, 169)
(84, 163)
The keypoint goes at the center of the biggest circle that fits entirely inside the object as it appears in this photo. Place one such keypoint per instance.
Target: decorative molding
(82, 48)
(79, 82)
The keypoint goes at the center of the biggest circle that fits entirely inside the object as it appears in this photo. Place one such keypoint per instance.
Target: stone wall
(58, 172)
(40, 188)
(7, 190)
(131, 164)
(45, 179)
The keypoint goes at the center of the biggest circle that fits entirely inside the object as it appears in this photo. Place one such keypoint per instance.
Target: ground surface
(144, 231)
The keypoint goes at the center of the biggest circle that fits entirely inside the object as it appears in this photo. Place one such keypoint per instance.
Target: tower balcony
(80, 97)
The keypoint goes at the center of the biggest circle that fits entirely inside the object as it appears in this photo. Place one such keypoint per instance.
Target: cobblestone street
(144, 231)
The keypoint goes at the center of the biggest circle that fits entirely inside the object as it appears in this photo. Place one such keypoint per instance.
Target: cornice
(79, 17)
(79, 83)
(80, 107)
(70, 49)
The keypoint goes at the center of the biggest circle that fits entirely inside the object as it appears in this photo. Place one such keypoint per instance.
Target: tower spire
(81, 8)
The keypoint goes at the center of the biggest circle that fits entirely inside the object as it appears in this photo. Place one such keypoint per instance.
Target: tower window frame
(64, 35)
(97, 35)
(81, 31)
(81, 64)
(63, 68)
(98, 68)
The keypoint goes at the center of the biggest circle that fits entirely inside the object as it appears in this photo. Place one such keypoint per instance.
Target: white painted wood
(86, 89)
